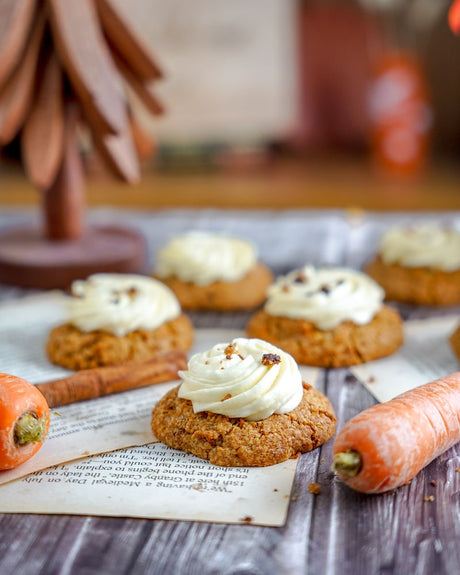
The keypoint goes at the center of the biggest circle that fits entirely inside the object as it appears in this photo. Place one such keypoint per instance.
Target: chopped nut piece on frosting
(270, 359)
(230, 350)
(301, 278)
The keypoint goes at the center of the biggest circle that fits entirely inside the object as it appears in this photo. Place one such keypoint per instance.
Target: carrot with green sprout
(24, 408)
(385, 446)
(24, 420)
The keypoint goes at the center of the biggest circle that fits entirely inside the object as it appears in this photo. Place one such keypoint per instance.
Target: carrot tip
(348, 463)
(30, 429)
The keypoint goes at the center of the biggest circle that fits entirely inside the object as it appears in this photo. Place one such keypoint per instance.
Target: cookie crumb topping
(230, 350)
(117, 294)
(325, 288)
(300, 278)
(228, 396)
(132, 291)
(270, 359)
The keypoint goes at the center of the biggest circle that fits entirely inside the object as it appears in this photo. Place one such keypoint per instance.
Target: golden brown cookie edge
(245, 294)
(71, 348)
(247, 444)
(346, 345)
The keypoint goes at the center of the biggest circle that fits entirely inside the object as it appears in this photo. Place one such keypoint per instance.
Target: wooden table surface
(281, 183)
(336, 532)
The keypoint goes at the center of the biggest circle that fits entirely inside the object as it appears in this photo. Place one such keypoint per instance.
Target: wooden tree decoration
(62, 64)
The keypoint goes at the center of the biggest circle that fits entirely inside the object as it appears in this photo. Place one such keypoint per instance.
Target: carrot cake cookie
(115, 318)
(243, 404)
(211, 271)
(419, 265)
(328, 318)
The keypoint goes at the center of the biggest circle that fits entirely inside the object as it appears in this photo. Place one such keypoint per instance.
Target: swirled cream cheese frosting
(203, 258)
(247, 378)
(423, 245)
(120, 304)
(325, 297)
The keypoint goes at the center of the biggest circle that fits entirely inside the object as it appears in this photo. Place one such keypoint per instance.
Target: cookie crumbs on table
(247, 519)
(314, 488)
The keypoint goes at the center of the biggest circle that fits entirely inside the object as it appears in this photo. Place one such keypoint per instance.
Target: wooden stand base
(28, 259)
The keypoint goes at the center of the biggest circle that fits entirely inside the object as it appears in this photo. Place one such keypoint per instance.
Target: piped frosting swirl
(247, 378)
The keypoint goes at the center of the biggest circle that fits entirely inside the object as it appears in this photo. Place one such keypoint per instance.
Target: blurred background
(283, 103)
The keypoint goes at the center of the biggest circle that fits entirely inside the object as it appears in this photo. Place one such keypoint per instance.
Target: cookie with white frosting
(243, 403)
(115, 318)
(211, 271)
(419, 264)
(328, 318)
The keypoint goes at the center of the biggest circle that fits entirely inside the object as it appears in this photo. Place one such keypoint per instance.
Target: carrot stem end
(29, 429)
(348, 463)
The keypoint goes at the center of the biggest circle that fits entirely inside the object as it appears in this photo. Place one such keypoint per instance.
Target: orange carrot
(454, 17)
(24, 420)
(385, 446)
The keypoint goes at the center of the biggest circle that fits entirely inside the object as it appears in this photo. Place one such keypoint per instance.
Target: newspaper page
(426, 355)
(118, 467)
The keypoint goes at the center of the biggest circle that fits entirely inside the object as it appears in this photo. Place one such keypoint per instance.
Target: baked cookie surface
(72, 348)
(345, 345)
(416, 285)
(236, 442)
(455, 341)
(246, 293)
